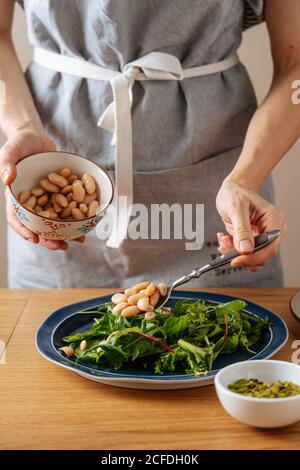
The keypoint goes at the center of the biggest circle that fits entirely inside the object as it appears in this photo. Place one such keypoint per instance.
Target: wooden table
(46, 407)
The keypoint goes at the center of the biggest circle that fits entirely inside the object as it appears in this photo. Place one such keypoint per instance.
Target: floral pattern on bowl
(89, 225)
(20, 211)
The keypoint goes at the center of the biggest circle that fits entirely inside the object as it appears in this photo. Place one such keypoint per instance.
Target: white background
(255, 54)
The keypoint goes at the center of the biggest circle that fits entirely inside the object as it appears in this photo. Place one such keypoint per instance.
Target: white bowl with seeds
(60, 195)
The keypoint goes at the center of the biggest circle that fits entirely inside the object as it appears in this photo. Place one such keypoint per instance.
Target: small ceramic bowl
(259, 412)
(33, 168)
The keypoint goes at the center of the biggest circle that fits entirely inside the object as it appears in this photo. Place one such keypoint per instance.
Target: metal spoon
(260, 241)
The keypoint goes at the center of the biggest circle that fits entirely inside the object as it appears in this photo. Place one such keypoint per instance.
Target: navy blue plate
(67, 321)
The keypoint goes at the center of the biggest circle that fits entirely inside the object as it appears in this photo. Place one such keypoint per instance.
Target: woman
(192, 139)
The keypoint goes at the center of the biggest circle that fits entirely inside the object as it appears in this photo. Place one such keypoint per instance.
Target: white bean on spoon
(139, 299)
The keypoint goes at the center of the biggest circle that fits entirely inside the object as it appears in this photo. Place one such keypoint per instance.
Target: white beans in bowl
(47, 216)
(63, 196)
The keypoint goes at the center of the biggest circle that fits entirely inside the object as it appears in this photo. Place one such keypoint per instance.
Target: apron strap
(117, 116)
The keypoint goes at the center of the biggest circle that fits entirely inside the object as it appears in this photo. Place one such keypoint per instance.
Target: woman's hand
(20, 123)
(246, 214)
(24, 141)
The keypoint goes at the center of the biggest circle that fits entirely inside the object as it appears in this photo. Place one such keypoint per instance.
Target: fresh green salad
(189, 336)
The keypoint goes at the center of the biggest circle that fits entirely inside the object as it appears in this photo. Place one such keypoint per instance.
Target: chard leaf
(176, 325)
(199, 353)
(231, 343)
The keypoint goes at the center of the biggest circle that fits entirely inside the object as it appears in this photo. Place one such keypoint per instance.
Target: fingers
(14, 222)
(80, 239)
(59, 244)
(9, 155)
(259, 258)
(25, 233)
(53, 244)
(28, 139)
(273, 220)
(233, 203)
(241, 226)
(225, 242)
(49, 145)
(245, 214)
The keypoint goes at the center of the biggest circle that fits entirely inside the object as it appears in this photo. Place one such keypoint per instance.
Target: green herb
(258, 389)
(189, 336)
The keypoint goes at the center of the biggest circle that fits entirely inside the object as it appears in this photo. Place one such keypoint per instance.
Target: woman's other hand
(24, 141)
(246, 214)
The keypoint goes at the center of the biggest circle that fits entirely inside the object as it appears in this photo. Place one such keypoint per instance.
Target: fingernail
(246, 246)
(4, 176)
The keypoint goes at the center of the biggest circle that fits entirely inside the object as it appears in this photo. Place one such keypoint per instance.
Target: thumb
(9, 155)
(242, 233)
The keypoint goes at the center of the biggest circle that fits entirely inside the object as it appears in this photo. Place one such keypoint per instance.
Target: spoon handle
(259, 242)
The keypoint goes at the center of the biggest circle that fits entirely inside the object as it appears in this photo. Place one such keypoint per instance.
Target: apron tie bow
(153, 66)
(117, 118)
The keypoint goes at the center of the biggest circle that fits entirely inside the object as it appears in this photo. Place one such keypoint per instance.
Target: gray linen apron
(187, 135)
